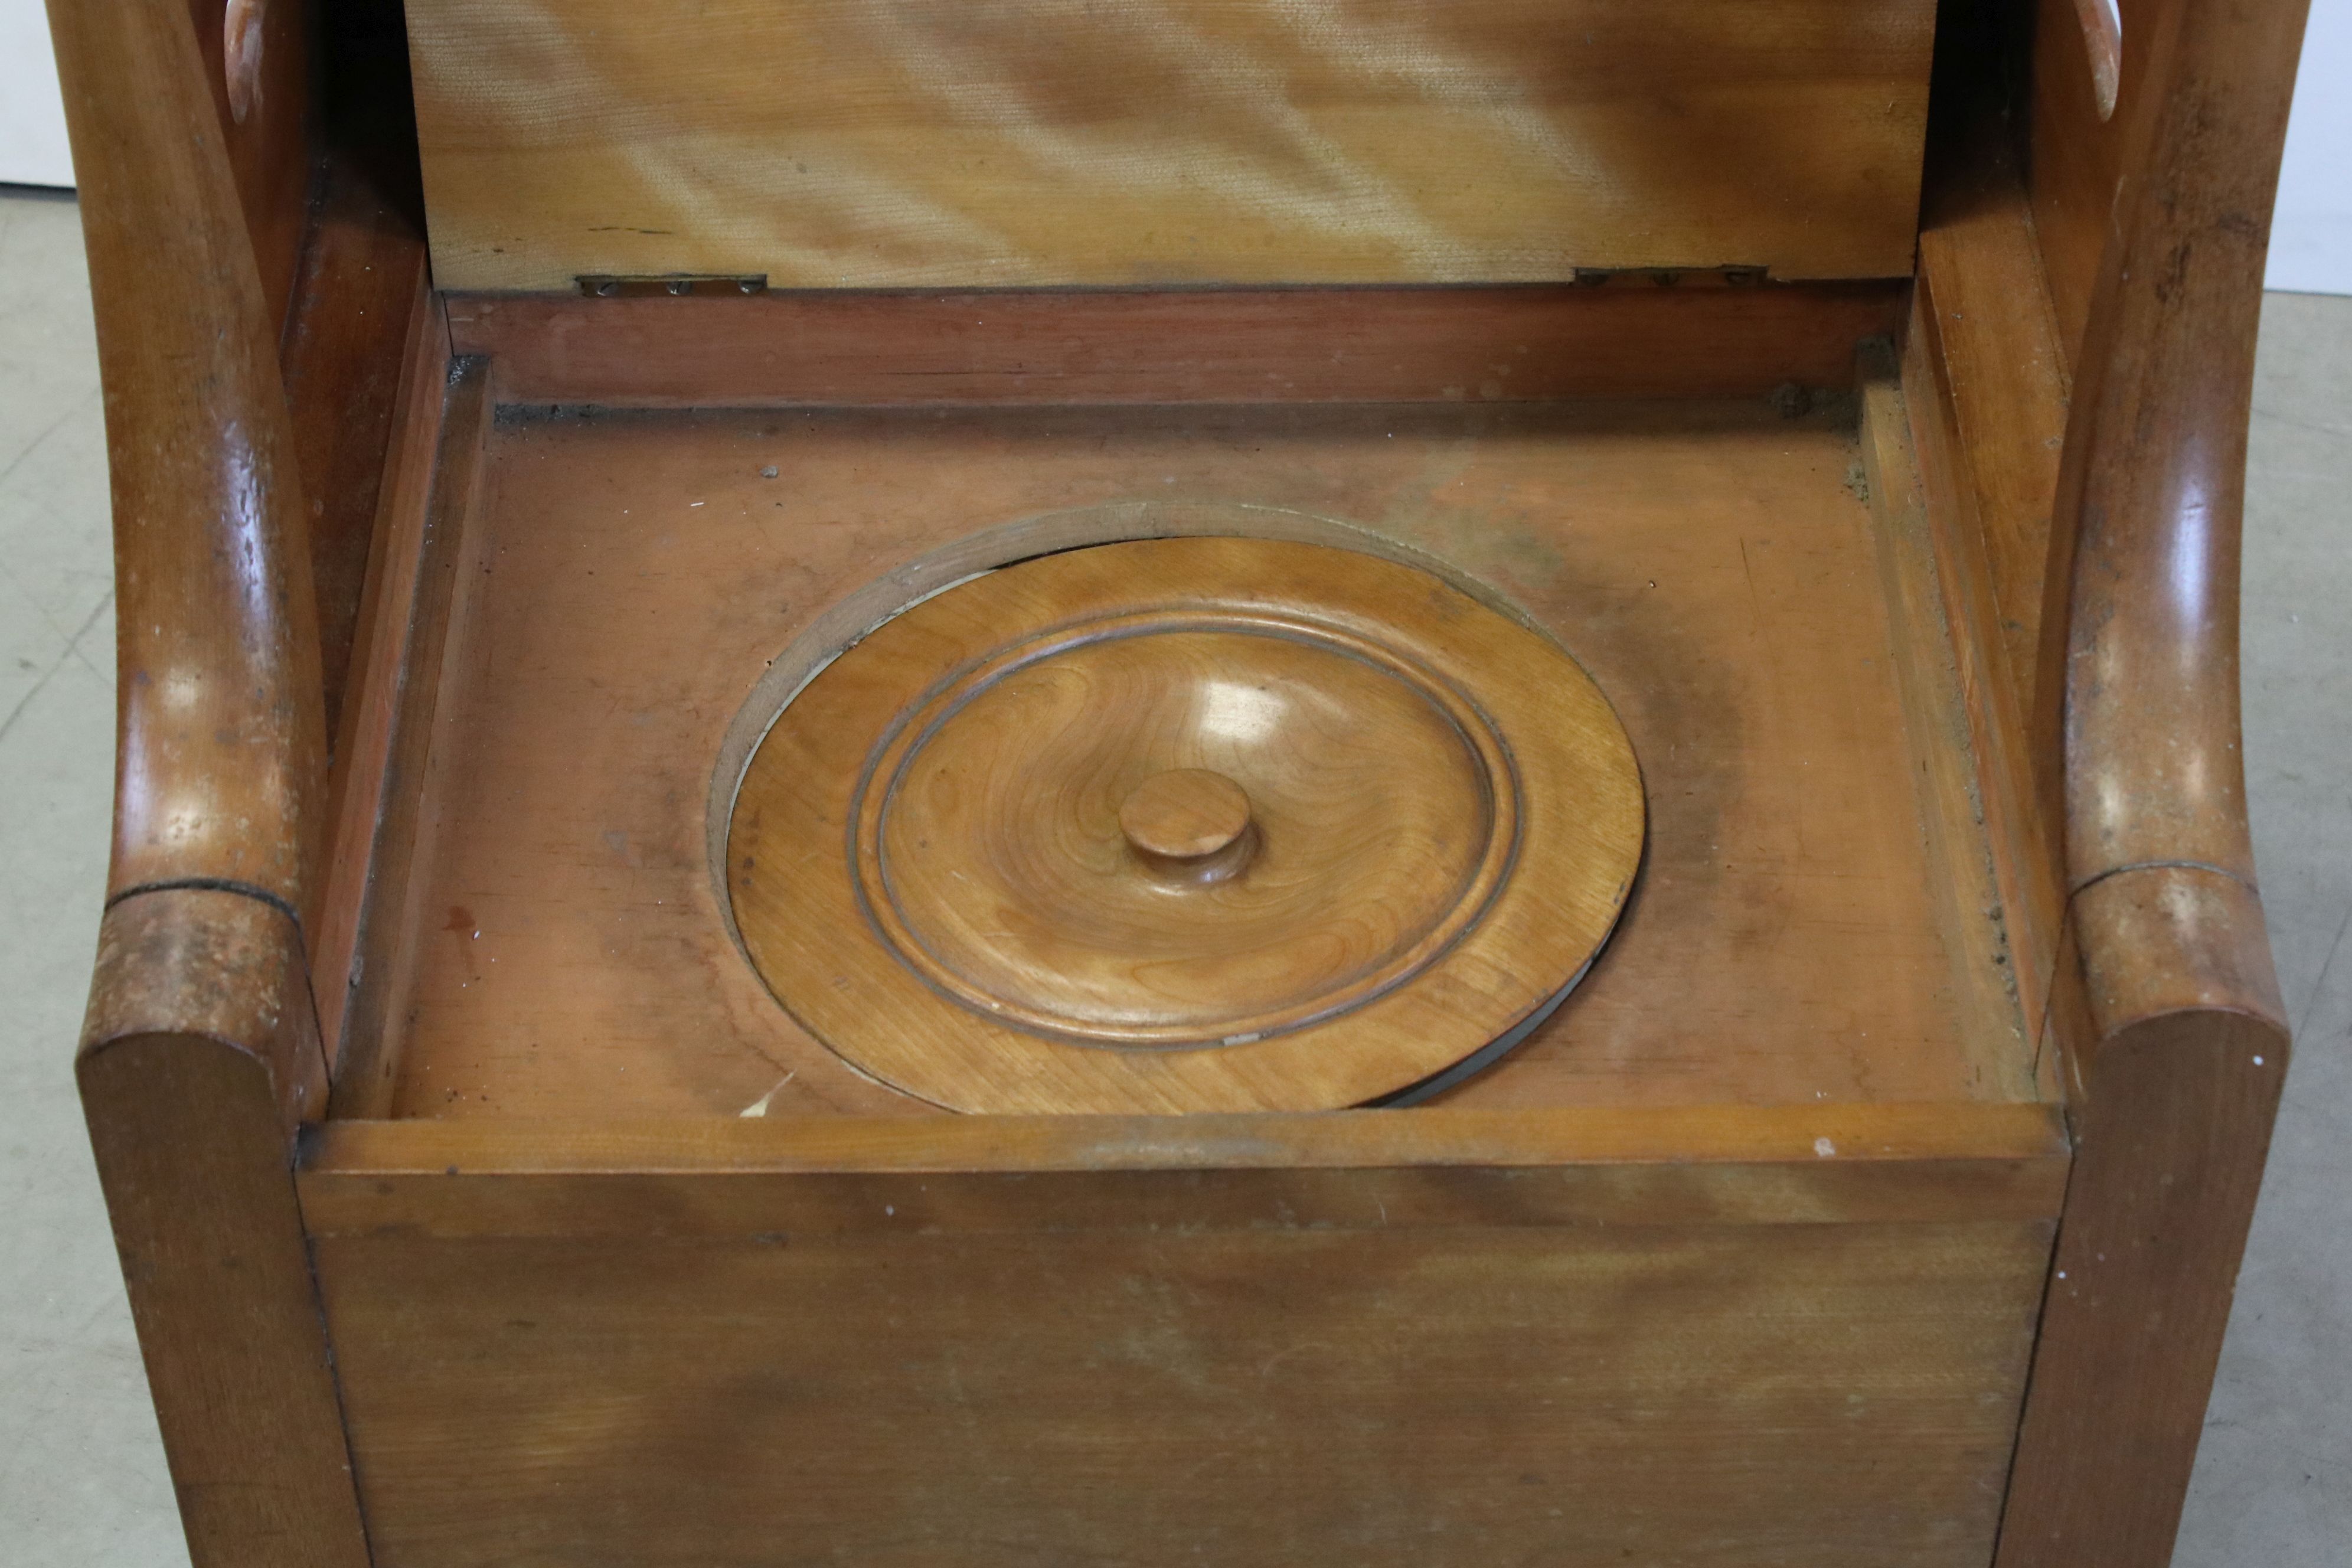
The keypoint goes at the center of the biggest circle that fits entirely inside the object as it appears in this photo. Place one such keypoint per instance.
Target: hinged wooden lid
(1195, 824)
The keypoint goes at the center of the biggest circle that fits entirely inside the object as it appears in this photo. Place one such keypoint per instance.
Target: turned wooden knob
(1187, 815)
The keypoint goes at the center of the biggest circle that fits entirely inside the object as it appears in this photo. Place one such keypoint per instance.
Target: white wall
(32, 116)
(2311, 237)
(2311, 244)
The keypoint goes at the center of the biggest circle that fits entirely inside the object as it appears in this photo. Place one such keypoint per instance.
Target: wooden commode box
(1180, 781)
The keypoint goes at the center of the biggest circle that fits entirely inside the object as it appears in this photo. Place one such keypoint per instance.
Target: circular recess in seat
(1201, 823)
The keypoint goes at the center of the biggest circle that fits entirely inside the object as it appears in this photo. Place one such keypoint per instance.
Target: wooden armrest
(2158, 858)
(200, 1055)
(2175, 1076)
(221, 746)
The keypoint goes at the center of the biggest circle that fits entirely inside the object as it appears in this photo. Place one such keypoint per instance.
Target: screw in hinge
(1666, 277)
(676, 285)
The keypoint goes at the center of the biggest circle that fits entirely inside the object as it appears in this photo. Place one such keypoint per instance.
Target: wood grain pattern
(2174, 1095)
(1445, 821)
(2172, 1134)
(1785, 947)
(345, 351)
(1950, 776)
(1188, 820)
(827, 143)
(198, 1056)
(221, 752)
(2142, 673)
(362, 772)
(1266, 1389)
(1431, 1167)
(2074, 156)
(1985, 299)
(341, 1157)
(1363, 345)
(1985, 378)
(2028, 881)
(422, 634)
(270, 145)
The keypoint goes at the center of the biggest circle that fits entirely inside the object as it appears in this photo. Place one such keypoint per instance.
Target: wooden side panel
(2024, 857)
(1984, 305)
(1376, 1367)
(2072, 161)
(1950, 771)
(828, 144)
(396, 541)
(347, 349)
(265, 129)
(1985, 379)
(2075, 154)
(198, 1057)
(2173, 1134)
(387, 851)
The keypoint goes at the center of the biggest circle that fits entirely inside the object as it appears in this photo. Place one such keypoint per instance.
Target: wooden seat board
(1713, 566)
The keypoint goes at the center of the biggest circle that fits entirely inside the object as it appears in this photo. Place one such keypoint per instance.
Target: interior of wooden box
(624, 546)
(1805, 929)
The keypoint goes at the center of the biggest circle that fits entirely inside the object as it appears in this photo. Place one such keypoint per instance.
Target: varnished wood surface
(2186, 1036)
(221, 748)
(340, 1156)
(1985, 377)
(1985, 374)
(363, 779)
(1784, 948)
(1182, 819)
(1634, 337)
(2072, 157)
(2172, 1137)
(2151, 498)
(832, 145)
(269, 147)
(1624, 1302)
(424, 621)
(551, 1296)
(1431, 1167)
(199, 1055)
(1272, 1391)
(346, 347)
(1951, 775)
(1983, 300)
(1442, 820)
(2022, 846)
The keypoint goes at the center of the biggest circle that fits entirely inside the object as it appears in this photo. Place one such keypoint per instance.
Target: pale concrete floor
(82, 1472)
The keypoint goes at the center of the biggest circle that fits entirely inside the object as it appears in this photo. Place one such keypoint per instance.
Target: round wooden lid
(1205, 824)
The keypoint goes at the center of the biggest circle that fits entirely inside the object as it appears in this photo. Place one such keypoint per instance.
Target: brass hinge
(1667, 277)
(611, 286)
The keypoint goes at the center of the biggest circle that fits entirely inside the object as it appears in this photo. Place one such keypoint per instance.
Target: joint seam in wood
(2093, 880)
(209, 885)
